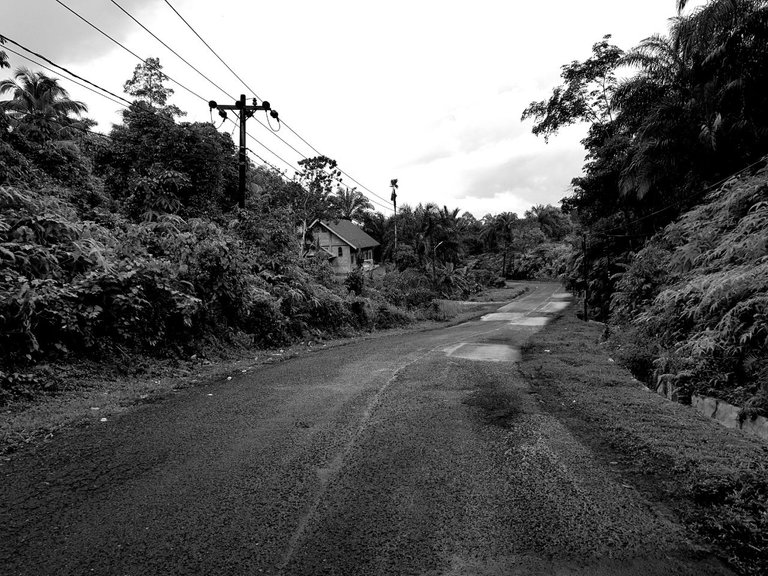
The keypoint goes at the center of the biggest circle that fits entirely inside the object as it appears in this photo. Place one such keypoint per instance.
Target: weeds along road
(409, 454)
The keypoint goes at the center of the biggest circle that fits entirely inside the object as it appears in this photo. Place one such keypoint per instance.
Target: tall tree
(585, 96)
(319, 177)
(504, 225)
(147, 84)
(39, 107)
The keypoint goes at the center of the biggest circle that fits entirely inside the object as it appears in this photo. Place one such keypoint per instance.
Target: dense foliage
(699, 291)
(670, 120)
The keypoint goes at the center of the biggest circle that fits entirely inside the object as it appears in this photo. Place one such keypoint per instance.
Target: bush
(390, 317)
(355, 281)
(65, 162)
(14, 167)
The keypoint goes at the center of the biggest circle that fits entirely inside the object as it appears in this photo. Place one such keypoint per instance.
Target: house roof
(351, 233)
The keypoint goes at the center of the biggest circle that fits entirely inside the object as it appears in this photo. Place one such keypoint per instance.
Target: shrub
(14, 167)
(388, 316)
(64, 161)
(355, 281)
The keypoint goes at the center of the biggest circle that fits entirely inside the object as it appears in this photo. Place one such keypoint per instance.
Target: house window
(341, 251)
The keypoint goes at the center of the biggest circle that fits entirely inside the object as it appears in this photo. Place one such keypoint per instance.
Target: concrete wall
(728, 415)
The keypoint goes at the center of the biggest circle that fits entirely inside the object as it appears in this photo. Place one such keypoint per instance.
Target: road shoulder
(712, 478)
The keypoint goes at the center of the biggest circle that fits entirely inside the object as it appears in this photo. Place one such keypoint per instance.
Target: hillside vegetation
(692, 305)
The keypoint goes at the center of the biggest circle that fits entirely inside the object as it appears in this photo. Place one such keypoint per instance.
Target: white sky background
(426, 91)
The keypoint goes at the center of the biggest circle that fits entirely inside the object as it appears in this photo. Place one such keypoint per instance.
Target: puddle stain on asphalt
(516, 319)
(484, 352)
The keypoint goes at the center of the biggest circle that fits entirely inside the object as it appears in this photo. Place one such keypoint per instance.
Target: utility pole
(586, 277)
(246, 111)
(393, 184)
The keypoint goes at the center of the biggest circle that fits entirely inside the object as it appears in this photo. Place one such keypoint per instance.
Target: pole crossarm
(246, 111)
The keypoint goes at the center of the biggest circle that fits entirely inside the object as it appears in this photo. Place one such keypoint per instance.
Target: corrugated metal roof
(351, 233)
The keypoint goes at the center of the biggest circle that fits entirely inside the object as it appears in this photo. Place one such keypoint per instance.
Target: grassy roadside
(713, 478)
(88, 392)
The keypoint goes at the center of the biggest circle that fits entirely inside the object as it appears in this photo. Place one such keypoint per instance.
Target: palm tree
(504, 224)
(427, 219)
(351, 204)
(451, 233)
(39, 107)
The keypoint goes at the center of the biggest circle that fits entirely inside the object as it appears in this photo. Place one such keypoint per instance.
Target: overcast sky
(426, 91)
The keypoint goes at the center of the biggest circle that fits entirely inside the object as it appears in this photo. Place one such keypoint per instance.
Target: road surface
(417, 454)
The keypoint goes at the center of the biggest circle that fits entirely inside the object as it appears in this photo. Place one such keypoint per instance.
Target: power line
(211, 49)
(35, 62)
(169, 48)
(100, 31)
(52, 63)
(169, 77)
(679, 201)
(252, 91)
(195, 93)
(340, 170)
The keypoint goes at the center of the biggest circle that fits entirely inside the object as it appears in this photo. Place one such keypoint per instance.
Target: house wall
(342, 264)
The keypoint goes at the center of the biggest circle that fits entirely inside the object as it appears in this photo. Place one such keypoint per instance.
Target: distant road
(417, 454)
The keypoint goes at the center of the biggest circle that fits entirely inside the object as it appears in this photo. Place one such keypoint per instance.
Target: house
(345, 243)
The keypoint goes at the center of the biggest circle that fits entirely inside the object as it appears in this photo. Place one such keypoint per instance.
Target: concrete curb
(728, 415)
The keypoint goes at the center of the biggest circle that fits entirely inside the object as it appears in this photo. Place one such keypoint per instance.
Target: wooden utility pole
(393, 184)
(586, 277)
(246, 111)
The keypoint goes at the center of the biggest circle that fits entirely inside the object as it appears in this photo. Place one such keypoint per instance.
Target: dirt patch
(714, 479)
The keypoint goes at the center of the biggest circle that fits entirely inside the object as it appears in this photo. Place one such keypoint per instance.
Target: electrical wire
(169, 78)
(35, 62)
(680, 201)
(211, 49)
(252, 91)
(364, 187)
(179, 56)
(144, 60)
(52, 63)
(195, 93)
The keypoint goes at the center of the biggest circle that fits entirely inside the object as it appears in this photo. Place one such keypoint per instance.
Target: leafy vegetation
(699, 289)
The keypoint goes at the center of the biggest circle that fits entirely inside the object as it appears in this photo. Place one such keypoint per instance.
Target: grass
(714, 478)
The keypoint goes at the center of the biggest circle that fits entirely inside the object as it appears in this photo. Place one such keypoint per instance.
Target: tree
(147, 83)
(149, 141)
(585, 96)
(39, 107)
(3, 56)
(351, 204)
(318, 177)
(553, 223)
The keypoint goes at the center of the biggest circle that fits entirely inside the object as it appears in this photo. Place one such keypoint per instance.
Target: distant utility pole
(246, 111)
(393, 184)
(586, 275)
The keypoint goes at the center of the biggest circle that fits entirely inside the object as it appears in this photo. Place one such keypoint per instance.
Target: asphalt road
(416, 454)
